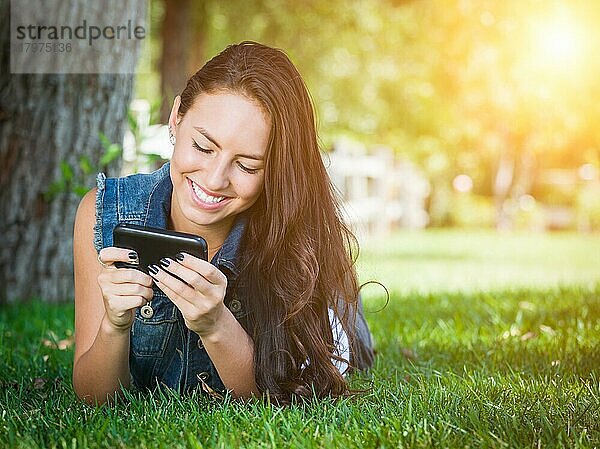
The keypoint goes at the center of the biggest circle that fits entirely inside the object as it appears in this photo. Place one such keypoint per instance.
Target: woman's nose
(217, 178)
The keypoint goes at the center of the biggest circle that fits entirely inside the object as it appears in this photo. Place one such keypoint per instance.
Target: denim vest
(163, 351)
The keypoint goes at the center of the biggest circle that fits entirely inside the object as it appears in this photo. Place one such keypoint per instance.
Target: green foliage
(112, 151)
(470, 210)
(495, 367)
(73, 180)
(470, 81)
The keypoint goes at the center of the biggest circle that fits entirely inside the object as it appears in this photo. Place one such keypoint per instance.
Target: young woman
(277, 308)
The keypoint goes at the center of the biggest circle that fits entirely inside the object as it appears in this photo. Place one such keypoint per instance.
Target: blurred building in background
(378, 191)
(381, 191)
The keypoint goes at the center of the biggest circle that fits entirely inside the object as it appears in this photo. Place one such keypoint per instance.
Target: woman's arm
(101, 360)
(232, 351)
(200, 300)
(101, 352)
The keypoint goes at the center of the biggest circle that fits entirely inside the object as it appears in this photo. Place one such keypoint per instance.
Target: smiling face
(217, 168)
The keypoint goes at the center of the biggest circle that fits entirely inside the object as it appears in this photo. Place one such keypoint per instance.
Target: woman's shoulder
(134, 178)
(87, 205)
(131, 181)
(135, 186)
(85, 216)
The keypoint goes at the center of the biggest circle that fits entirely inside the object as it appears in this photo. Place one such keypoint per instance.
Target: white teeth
(204, 197)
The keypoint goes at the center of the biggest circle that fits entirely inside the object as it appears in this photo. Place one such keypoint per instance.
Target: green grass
(468, 261)
(487, 341)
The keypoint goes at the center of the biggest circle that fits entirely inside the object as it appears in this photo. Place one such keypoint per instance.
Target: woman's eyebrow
(212, 139)
(208, 136)
(250, 156)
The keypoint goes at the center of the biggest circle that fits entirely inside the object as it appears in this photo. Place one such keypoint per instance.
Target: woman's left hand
(201, 299)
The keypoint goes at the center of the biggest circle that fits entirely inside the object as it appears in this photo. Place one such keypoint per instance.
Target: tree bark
(47, 119)
(183, 48)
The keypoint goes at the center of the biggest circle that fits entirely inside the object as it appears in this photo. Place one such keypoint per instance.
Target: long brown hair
(298, 254)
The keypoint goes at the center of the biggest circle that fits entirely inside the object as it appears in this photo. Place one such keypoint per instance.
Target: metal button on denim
(163, 354)
(147, 311)
(200, 344)
(203, 376)
(235, 305)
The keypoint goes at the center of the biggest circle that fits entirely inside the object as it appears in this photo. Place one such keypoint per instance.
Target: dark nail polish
(133, 255)
(179, 257)
(152, 269)
(165, 262)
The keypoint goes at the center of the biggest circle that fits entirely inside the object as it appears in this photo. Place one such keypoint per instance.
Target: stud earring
(171, 136)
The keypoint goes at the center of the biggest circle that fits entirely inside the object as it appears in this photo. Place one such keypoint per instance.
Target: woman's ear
(174, 117)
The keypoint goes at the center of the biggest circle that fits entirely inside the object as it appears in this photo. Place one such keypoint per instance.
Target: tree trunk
(183, 48)
(503, 182)
(47, 119)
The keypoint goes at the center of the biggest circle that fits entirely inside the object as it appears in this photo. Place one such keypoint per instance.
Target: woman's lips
(203, 204)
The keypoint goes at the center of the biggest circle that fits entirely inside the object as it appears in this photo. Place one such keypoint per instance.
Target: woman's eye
(246, 169)
(199, 148)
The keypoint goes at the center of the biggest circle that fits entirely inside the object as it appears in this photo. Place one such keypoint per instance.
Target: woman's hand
(123, 289)
(200, 297)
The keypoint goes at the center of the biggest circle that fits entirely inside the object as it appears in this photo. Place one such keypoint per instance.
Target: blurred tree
(492, 89)
(183, 47)
(523, 77)
(50, 127)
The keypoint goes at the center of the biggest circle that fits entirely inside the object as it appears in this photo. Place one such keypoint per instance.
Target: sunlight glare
(557, 43)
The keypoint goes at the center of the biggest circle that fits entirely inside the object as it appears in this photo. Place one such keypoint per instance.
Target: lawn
(488, 340)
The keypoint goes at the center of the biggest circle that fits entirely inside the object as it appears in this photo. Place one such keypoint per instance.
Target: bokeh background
(432, 114)
(470, 112)
(464, 139)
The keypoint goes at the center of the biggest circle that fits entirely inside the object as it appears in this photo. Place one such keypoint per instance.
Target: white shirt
(340, 340)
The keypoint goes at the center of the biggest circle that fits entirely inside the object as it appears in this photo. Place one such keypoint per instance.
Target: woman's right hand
(123, 289)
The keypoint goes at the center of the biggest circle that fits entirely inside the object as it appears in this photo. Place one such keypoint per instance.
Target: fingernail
(153, 269)
(179, 257)
(165, 262)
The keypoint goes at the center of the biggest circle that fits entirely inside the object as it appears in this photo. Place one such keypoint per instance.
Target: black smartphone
(152, 244)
